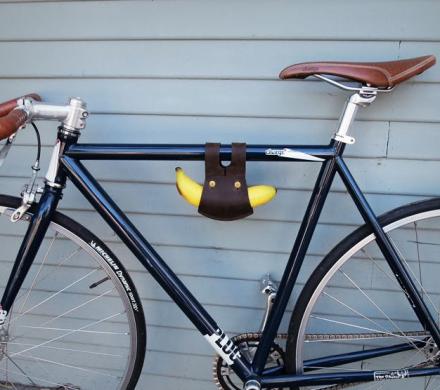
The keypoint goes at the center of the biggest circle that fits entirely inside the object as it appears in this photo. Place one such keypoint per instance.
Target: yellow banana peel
(191, 191)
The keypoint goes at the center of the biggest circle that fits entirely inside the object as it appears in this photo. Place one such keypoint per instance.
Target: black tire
(293, 363)
(99, 247)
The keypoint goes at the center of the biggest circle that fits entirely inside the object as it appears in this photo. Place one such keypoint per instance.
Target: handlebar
(17, 112)
(10, 123)
(11, 118)
(7, 107)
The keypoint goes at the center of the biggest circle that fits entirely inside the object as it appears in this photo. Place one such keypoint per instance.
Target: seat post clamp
(363, 98)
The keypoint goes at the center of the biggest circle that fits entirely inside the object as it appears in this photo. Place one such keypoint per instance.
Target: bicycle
(71, 318)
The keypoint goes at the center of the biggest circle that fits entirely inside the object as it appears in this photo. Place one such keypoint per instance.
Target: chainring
(224, 376)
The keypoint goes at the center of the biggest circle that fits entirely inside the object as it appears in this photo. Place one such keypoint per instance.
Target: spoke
(375, 305)
(67, 349)
(366, 311)
(354, 311)
(416, 279)
(419, 350)
(58, 265)
(429, 380)
(21, 370)
(387, 274)
(427, 383)
(418, 254)
(67, 334)
(364, 328)
(69, 366)
(53, 296)
(77, 307)
(38, 272)
(73, 330)
(432, 380)
(40, 379)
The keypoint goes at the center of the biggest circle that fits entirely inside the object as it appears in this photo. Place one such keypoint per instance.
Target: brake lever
(5, 149)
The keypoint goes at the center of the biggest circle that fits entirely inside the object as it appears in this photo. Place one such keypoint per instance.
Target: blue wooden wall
(195, 71)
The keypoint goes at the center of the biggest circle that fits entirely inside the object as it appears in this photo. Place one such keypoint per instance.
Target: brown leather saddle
(375, 74)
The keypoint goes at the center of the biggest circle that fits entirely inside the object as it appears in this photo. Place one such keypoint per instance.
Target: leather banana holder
(225, 192)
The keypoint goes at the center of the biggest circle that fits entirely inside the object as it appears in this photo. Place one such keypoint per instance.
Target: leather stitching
(413, 69)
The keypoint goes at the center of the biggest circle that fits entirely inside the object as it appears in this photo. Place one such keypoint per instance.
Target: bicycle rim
(77, 322)
(353, 302)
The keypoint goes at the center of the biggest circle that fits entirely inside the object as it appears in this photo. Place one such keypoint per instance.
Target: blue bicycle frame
(70, 166)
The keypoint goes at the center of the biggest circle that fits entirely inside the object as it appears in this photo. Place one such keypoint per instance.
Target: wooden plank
(231, 320)
(196, 59)
(215, 20)
(414, 141)
(243, 98)
(219, 59)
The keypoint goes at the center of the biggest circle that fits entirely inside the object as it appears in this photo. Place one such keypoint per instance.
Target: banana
(188, 188)
(192, 191)
(260, 195)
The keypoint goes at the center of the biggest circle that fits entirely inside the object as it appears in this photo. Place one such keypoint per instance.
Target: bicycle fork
(30, 245)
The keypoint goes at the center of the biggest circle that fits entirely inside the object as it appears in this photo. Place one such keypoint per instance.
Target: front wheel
(77, 321)
(353, 302)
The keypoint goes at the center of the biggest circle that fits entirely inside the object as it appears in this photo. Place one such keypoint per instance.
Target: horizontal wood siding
(195, 71)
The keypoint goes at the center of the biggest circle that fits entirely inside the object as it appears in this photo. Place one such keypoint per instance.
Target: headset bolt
(237, 185)
(212, 183)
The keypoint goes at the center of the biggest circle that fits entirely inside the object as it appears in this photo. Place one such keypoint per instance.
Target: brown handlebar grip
(7, 107)
(10, 123)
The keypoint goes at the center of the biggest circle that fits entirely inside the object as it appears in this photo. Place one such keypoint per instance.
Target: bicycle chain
(316, 337)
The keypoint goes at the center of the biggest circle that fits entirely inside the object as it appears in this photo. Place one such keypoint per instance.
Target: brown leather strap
(238, 160)
(7, 107)
(10, 123)
(213, 165)
(225, 193)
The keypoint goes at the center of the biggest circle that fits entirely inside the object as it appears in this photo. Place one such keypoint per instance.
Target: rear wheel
(77, 322)
(353, 302)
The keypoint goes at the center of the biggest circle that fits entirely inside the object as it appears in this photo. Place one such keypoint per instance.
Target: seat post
(363, 98)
